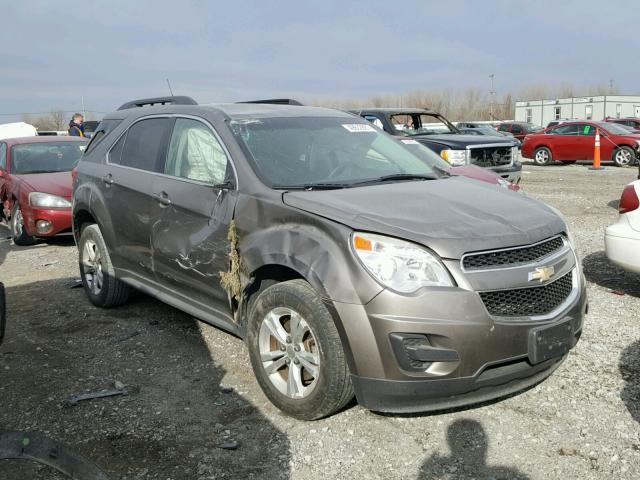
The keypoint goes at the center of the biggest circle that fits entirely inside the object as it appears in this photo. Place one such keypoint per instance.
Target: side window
(517, 129)
(116, 151)
(586, 130)
(102, 129)
(503, 128)
(566, 130)
(375, 120)
(3, 156)
(143, 147)
(195, 153)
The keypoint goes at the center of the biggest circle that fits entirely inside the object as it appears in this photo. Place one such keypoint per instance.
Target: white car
(622, 239)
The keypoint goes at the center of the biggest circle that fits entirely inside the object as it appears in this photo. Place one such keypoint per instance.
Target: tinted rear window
(101, 131)
(45, 157)
(145, 142)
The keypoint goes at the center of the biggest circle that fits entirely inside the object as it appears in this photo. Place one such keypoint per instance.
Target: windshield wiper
(312, 186)
(396, 177)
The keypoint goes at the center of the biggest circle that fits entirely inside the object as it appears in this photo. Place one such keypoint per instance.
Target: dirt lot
(584, 422)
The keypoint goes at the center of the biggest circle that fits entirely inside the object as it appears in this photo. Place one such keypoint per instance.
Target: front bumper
(513, 173)
(493, 357)
(622, 245)
(59, 219)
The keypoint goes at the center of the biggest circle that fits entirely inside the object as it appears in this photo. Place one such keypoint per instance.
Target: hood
(452, 216)
(55, 183)
(461, 141)
(482, 174)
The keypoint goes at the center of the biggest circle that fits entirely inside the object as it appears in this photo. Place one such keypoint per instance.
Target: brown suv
(348, 264)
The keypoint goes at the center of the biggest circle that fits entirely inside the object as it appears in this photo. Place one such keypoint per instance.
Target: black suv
(349, 263)
(436, 132)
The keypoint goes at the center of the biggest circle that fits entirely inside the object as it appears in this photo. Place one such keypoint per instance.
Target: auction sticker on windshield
(410, 142)
(358, 127)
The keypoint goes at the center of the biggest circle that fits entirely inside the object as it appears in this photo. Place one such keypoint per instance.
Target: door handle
(162, 198)
(108, 179)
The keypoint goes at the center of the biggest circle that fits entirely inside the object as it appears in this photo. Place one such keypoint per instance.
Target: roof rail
(276, 101)
(179, 100)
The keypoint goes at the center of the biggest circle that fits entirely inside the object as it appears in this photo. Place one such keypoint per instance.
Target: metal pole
(83, 112)
(492, 96)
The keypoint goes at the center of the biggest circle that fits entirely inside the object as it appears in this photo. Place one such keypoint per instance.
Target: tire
(568, 162)
(309, 379)
(96, 270)
(624, 157)
(542, 156)
(18, 233)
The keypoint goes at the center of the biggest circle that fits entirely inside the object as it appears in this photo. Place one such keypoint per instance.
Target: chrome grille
(512, 256)
(491, 156)
(530, 301)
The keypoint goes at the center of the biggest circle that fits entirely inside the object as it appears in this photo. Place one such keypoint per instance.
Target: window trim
(6, 157)
(161, 174)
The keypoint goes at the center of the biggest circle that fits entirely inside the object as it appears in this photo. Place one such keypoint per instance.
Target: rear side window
(517, 129)
(3, 156)
(503, 128)
(103, 128)
(145, 144)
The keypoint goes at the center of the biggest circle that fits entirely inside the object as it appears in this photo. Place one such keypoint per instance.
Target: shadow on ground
(599, 270)
(177, 421)
(630, 370)
(468, 444)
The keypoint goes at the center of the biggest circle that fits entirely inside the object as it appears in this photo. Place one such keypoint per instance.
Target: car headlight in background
(401, 266)
(455, 158)
(46, 200)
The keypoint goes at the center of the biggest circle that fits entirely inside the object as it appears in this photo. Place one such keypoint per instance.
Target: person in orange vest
(76, 125)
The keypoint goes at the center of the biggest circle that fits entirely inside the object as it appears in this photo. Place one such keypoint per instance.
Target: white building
(541, 112)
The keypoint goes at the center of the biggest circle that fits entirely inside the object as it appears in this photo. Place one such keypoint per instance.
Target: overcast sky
(54, 53)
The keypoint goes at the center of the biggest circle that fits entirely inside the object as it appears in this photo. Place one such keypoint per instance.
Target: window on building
(588, 112)
(556, 113)
(528, 115)
(618, 110)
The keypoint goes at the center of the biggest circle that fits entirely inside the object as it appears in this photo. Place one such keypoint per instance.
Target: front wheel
(97, 272)
(18, 233)
(296, 352)
(542, 156)
(624, 156)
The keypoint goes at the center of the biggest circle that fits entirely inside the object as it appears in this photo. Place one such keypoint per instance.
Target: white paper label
(410, 142)
(358, 127)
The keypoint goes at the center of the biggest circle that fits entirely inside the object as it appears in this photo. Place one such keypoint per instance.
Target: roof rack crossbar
(177, 100)
(276, 101)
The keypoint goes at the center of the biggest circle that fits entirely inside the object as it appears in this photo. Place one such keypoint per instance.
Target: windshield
(303, 152)
(614, 128)
(532, 128)
(45, 157)
(421, 124)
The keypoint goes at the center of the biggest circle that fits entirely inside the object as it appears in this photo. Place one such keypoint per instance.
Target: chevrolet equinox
(349, 263)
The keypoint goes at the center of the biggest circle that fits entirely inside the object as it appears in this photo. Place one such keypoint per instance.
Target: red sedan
(35, 185)
(573, 141)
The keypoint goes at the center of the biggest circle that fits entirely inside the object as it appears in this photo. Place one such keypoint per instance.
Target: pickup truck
(440, 135)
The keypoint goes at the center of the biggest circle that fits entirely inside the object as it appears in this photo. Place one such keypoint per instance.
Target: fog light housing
(415, 352)
(43, 226)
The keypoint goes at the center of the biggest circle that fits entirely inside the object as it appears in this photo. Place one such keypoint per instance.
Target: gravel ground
(191, 389)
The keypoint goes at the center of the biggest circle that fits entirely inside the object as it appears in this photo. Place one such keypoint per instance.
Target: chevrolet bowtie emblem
(542, 273)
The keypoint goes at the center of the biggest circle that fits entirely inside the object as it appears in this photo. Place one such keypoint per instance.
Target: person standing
(76, 125)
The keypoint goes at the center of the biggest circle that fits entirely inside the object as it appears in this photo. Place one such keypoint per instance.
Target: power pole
(611, 86)
(492, 95)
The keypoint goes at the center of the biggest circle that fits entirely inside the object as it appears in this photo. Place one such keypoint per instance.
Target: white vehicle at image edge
(622, 239)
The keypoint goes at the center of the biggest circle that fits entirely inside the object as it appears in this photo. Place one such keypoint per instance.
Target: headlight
(399, 265)
(454, 157)
(503, 183)
(46, 200)
(514, 154)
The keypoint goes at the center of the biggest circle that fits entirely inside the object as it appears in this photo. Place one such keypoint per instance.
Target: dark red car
(629, 122)
(573, 141)
(518, 129)
(35, 185)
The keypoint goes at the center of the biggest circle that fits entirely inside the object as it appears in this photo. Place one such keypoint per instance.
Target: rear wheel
(296, 352)
(542, 156)
(624, 156)
(97, 272)
(18, 233)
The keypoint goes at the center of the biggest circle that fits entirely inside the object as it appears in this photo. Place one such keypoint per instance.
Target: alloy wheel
(542, 156)
(92, 263)
(18, 223)
(623, 157)
(289, 352)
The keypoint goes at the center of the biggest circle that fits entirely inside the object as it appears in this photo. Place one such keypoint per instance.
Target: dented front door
(193, 213)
